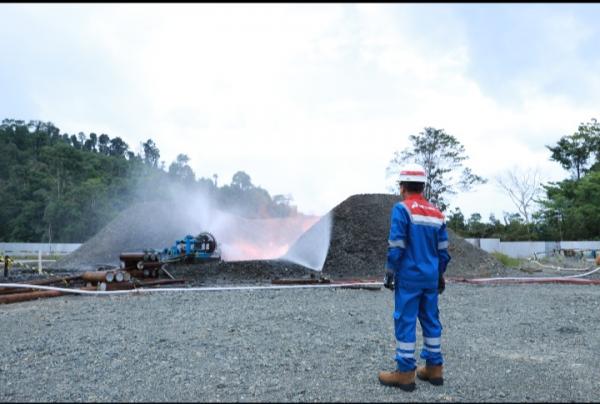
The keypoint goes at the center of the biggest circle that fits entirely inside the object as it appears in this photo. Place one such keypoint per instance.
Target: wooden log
(22, 297)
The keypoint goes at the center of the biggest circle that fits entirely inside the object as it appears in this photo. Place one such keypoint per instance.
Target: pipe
(52, 280)
(147, 265)
(131, 256)
(160, 282)
(196, 289)
(22, 297)
(120, 286)
(98, 276)
(534, 277)
(572, 279)
(40, 282)
(285, 281)
(500, 281)
(560, 268)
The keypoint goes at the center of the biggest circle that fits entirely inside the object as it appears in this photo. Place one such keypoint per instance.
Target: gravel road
(501, 343)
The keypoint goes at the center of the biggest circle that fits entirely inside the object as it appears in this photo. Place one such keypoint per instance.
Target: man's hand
(441, 283)
(388, 279)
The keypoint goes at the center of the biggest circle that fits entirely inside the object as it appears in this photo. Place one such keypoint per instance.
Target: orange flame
(264, 238)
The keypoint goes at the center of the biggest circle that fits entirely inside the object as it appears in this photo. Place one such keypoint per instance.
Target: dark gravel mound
(239, 272)
(359, 236)
(145, 225)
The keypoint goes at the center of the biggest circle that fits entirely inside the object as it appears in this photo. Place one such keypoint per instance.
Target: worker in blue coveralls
(416, 261)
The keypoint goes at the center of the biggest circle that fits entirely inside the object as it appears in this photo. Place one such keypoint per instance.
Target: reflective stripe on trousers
(411, 304)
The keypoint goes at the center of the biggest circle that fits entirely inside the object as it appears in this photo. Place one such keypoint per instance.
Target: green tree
(90, 144)
(573, 152)
(241, 181)
(151, 153)
(180, 169)
(104, 144)
(75, 142)
(456, 221)
(442, 156)
(118, 147)
(572, 207)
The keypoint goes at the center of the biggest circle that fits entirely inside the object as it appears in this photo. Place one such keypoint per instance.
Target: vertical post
(40, 261)
(5, 266)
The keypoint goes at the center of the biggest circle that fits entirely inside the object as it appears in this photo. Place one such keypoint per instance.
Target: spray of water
(312, 247)
(300, 239)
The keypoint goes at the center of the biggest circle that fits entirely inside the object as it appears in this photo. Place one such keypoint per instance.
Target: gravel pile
(358, 244)
(256, 272)
(501, 344)
(358, 248)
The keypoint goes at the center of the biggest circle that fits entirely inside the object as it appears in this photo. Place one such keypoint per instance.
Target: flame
(263, 239)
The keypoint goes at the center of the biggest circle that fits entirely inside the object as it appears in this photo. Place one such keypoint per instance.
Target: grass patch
(506, 260)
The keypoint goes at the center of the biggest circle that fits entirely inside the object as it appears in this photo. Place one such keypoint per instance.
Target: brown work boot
(404, 380)
(432, 374)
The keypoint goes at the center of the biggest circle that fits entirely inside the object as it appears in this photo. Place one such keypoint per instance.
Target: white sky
(311, 100)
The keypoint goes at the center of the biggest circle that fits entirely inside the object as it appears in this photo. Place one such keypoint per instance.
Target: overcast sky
(311, 100)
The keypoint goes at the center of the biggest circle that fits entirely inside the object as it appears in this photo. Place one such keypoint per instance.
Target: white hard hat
(413, 173)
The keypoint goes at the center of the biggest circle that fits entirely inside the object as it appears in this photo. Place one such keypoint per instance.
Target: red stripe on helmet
(412, 173)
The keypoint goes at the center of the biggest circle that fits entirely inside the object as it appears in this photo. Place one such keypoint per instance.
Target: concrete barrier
(526, 249)
(23, 249)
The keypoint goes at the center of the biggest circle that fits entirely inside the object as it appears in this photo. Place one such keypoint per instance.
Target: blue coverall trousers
(410, 304)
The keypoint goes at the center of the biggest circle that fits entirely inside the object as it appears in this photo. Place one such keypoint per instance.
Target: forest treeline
(563, 210)
(59, 187)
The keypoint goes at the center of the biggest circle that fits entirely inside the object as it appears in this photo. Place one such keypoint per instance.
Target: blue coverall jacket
(417, 253)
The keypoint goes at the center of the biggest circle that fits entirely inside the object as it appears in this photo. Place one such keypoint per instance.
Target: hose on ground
(272, 287)
(193, 289)
(519, 278)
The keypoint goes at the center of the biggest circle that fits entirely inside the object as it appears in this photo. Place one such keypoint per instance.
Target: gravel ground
(501, 343)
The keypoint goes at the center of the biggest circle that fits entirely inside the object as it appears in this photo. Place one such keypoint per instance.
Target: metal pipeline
(571, 279)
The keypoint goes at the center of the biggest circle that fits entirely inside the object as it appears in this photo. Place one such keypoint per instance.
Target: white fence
(23, 249)
(525, 249)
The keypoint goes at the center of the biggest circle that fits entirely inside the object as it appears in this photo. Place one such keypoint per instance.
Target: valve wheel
(205, 242)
